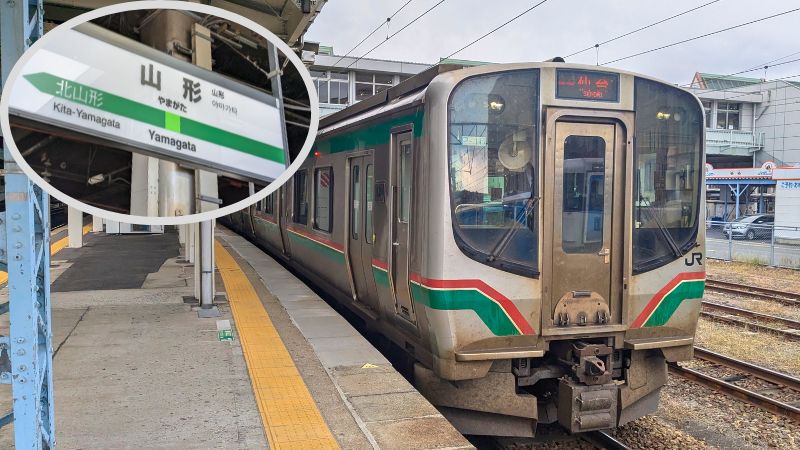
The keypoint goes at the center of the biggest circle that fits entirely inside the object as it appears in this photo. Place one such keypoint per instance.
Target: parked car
(758, 226)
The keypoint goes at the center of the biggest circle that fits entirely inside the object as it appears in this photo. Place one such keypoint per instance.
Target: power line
(700, 36)
(388, 19)
(764, 66)
(396, 32)
(640, 29)
(501, 26)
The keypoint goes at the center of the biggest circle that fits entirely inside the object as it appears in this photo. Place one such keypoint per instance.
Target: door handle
(396, 244)
(605, 253)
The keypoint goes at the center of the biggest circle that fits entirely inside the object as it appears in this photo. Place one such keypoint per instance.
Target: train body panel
(528, 245)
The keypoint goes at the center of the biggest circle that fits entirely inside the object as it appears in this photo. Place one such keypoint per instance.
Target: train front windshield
(668, 164)
(492, 135)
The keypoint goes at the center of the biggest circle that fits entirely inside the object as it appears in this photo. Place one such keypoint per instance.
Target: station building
(752, 149)
(342, 81)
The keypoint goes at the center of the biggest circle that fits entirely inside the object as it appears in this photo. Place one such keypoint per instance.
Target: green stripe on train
(369, 137)
(314, 245)
(689, 289)
(489, 312)
(381, 277)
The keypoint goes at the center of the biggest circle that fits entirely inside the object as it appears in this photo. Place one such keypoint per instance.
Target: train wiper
(502, 243)
(664, 233)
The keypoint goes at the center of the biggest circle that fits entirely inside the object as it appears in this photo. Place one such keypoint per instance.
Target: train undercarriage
(584, 385)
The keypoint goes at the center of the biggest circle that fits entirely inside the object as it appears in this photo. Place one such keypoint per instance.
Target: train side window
(268, 204)
(323, 199)
(369, 232)
(355, 200)
(405, 181)
(300, 199)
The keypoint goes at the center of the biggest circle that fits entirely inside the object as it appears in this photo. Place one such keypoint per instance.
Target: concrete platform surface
(136, 368)
(364, 400)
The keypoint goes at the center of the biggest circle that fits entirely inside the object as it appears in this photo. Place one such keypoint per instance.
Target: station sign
(577, 84)
(98, 83)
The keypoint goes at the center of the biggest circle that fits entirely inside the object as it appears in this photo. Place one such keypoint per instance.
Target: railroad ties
(768, 389)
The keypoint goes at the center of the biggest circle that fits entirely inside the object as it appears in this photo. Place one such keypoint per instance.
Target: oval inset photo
(159, 116)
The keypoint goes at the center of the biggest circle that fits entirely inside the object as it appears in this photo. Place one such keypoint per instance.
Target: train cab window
(269, 204)
(668, 165)
(492, 154)
(369, 231)
(323, 199)
(355, 200)
(300, 198)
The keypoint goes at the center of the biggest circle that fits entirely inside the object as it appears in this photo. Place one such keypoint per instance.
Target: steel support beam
(27, 254)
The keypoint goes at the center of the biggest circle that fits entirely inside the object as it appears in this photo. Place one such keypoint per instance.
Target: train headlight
(661, 115)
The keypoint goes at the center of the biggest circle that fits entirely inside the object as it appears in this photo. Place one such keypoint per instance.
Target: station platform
(135, 367)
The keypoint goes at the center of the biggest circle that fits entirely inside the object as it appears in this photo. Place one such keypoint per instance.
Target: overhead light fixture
(97, 179)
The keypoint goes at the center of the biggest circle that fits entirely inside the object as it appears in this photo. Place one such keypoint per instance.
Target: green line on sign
(172, 122)
(106, 101)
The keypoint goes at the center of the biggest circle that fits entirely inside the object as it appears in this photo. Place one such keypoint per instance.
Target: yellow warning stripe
(55, 247)
(289, 414)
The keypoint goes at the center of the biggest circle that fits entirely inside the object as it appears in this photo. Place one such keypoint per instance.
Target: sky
(561, 27)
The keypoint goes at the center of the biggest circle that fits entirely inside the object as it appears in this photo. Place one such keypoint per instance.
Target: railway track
(594, 439)
(776, 382)
(785, 298)
(790, 328)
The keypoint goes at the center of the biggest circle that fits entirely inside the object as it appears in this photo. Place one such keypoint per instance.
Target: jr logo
(694, 258)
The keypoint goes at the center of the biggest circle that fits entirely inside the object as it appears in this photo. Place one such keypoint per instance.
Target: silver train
(527, 233)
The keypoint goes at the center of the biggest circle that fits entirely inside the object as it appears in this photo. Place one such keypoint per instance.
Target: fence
(752, 242)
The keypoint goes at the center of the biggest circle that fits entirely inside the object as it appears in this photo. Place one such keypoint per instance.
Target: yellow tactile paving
(289, 414)
(55, 247)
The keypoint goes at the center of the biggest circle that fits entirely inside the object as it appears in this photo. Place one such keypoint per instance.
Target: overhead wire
(388, 19)
(396, 32)
(641, 28)
(683, 41)
(499, 27)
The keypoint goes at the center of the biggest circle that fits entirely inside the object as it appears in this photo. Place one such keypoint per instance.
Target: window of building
(323, 199)
(300, 199)
(708, 106)
(368, 84)
(332, 86)
(728, 115)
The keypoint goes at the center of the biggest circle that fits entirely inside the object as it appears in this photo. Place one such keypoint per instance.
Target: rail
(789, 323)
(755, 398)
(786, 298)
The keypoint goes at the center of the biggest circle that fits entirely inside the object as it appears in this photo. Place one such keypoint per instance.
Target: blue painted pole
(27, 226)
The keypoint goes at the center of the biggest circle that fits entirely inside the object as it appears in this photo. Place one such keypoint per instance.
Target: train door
(361, 233)
(284, 215)
(584, 234)
(402, 158)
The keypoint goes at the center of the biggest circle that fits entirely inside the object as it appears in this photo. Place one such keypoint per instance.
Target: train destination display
(587, 85)
(100, 84)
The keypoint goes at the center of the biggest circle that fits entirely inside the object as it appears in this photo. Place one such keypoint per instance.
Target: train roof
(423, 79)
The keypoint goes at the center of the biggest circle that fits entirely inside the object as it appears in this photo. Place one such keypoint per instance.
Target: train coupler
(586, 407)
(587, 397)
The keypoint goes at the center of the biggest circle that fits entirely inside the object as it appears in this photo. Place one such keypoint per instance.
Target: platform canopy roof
(289, 19)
